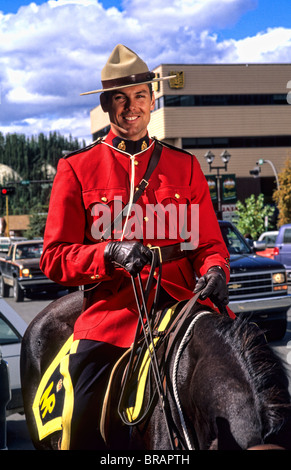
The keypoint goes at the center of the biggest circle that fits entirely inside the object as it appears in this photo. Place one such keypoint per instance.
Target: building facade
(241, 108)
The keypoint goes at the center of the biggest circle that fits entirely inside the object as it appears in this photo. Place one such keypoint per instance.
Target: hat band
(129, 80)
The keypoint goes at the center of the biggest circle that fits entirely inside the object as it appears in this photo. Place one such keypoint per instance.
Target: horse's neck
(215, 390)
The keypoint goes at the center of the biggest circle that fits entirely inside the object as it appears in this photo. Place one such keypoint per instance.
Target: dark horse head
(225, 389)
(232, 388)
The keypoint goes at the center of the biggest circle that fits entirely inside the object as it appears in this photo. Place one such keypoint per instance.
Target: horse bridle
(145, 326)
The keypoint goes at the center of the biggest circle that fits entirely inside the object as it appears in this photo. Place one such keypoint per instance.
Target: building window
(220, 100)
(236, 142)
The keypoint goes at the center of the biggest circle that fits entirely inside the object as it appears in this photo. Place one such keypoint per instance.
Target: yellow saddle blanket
(50, 397)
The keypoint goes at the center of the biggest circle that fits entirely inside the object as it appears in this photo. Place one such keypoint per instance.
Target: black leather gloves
(130, 255)
(213, 285)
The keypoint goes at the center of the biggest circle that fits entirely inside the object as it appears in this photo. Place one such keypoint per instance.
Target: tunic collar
(128, 146)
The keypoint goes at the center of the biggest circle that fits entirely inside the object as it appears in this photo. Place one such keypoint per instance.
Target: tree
(282, 196)
(30, 157)
(251, 215)
(37, 221)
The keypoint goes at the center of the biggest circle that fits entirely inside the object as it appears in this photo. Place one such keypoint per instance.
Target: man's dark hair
(105, 96)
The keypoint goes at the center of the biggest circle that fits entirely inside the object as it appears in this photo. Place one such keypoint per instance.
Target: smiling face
(129, 111)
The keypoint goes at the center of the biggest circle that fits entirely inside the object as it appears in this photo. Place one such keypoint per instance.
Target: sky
(51, 51)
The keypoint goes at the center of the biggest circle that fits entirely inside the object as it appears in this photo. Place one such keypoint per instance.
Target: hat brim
(126, 86)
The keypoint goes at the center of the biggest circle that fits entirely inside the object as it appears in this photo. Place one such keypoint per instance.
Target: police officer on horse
(87, 242)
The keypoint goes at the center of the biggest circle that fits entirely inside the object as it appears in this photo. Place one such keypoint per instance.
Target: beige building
(16, 225)
(239, 108)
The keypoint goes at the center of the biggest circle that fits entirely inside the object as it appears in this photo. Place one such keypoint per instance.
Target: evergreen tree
(30, 158)
(37, 222)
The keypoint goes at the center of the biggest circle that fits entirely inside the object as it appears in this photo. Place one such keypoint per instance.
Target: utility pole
(7, 191)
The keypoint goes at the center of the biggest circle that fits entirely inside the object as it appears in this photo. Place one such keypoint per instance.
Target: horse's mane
(264, 369)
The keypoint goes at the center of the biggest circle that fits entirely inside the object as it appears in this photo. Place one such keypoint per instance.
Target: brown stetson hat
(125, 68)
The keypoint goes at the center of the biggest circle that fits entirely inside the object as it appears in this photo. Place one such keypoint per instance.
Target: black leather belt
(170, 252)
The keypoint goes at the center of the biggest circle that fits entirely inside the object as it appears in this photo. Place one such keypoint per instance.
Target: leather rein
(146, 333)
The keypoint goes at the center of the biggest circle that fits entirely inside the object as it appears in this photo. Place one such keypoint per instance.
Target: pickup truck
(20, 269)
(282, 249)
(258, 285)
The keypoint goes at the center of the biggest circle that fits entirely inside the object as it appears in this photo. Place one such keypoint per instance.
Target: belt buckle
(159, 252)
(145, 182)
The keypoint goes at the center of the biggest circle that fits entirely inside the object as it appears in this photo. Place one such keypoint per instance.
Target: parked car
(265, 245)
(12, 328)
(5, 396)
(20, 270)
(258, 285)
(282, 250)
(268, 237)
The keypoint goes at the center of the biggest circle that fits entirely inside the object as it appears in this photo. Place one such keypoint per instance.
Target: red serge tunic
(95, 179)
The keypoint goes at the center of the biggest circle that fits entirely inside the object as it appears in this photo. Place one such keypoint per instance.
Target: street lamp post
(225, 157)
(262, 161)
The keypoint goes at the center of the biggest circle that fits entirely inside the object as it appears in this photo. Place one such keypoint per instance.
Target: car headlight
(25, 272)
(279, 278)
(279, 282)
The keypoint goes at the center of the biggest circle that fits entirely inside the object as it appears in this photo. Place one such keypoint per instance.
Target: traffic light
(7, 190)
(255, 172)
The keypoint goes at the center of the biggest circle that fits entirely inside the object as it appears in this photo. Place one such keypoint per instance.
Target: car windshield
(31, 250)
(234, 241)
(7, 334)
(270, 240)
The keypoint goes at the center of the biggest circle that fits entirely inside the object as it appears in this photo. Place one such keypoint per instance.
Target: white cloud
(77, 126)
(273, 46)
(51, 53)
(21, 95)
(199, 14)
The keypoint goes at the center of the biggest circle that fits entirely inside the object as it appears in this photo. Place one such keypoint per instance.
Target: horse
(223, 386)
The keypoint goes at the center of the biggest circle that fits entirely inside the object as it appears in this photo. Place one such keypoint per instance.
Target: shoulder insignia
(172, 147)
(84, 149)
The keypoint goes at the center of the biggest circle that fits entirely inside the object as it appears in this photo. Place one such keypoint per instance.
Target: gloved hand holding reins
(130, 255)
(213, 285)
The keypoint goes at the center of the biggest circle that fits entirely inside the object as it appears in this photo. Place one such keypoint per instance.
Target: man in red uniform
(91, 183)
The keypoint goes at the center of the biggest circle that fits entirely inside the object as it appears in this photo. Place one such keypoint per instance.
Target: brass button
(104, 199)
(146, 219)
(95, 276)
(177, 196)
(135, 162)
